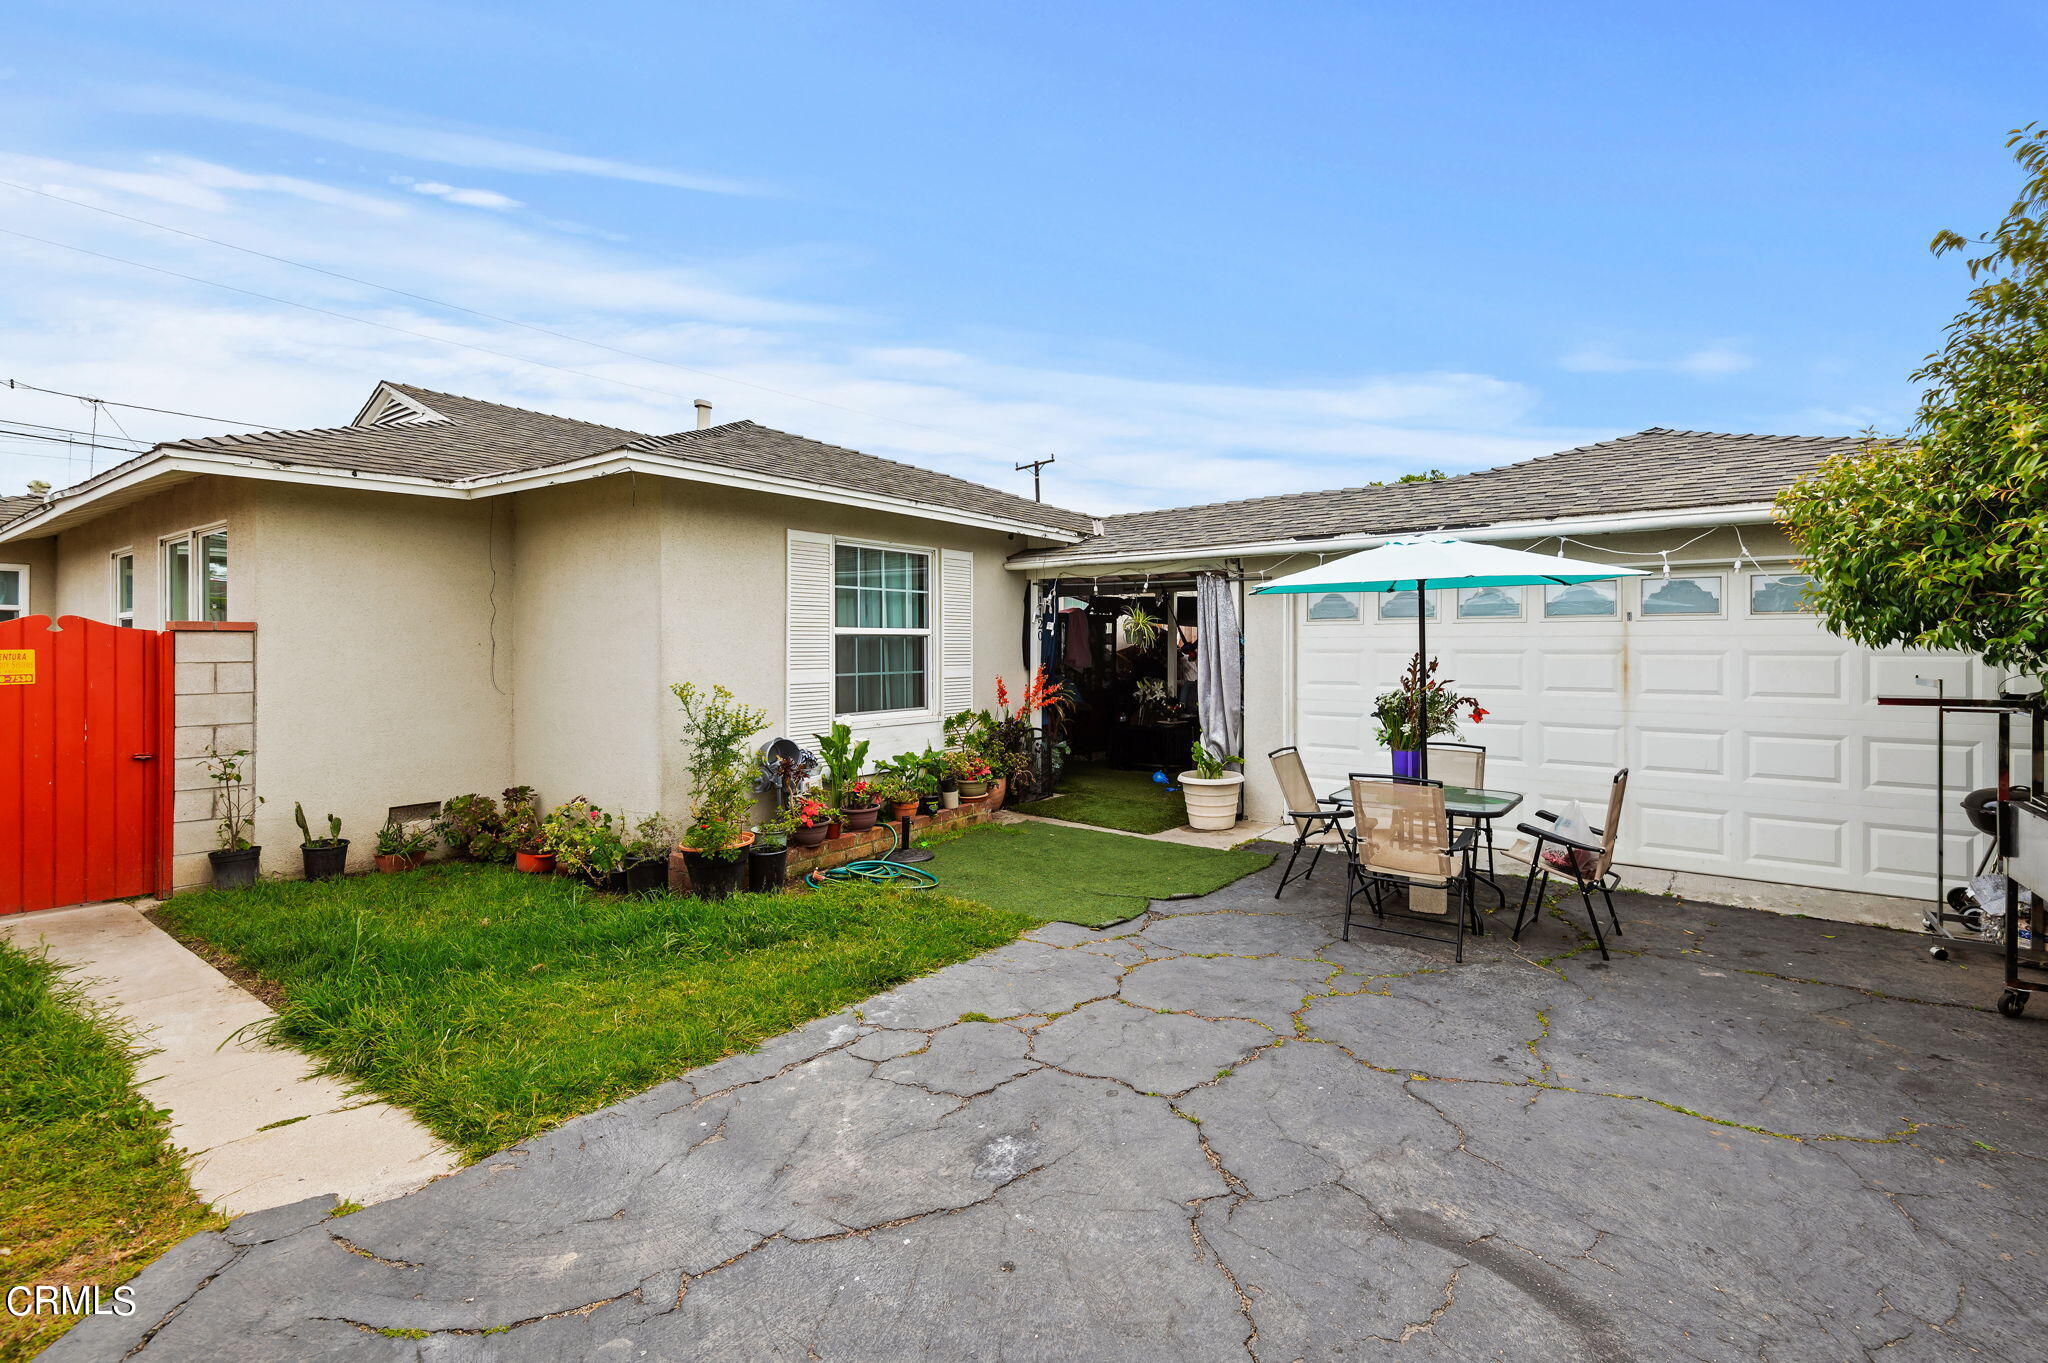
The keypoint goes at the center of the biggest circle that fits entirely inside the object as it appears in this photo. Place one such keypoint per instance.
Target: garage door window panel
(1779, 594)
(1693, 595)
(1581, 600)
(1341, 606)
(1401, 606)
(1489, 603)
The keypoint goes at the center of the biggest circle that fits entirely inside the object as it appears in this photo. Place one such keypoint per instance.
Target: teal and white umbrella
(1417, 565)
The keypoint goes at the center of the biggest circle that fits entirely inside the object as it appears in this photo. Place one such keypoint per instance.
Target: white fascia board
(172, 460)
(1747, 513)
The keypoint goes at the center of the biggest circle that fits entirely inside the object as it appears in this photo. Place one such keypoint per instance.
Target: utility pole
(1037, 493)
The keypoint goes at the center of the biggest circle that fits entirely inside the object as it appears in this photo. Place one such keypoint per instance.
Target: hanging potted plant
(403, 846)
(859, 807)
(1211, 789)
(1438, 707)
(323, 858)
(236, 860)
(717, 730)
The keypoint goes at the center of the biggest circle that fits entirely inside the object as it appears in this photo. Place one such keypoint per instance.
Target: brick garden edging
(854, 846)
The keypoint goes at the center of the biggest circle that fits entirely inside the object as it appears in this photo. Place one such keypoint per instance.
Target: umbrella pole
(1422, 673)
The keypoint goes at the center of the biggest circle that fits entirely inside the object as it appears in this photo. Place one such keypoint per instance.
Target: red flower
(1002, 694)
(1477, 714)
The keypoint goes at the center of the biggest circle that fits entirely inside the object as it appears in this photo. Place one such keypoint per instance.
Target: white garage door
(1753, 741)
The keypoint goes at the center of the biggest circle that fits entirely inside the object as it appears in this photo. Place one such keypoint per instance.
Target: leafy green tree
(1941, 540)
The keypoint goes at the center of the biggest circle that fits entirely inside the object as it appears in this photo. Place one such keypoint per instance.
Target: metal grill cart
(2017, 819)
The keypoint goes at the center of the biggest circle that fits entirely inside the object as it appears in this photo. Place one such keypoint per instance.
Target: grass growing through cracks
(90, 1188)
(494, 1005)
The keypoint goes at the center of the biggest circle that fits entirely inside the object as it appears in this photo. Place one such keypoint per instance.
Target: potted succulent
(1422, 696)
(647, 856)
(717, 730)
(768, 858)
(475, 829)
(1211, 789)
(323, 858)
(970, 773)
(810, 819)
(859, 806)
(586, 843)
(236, 860)
(523, 833)
(403, 846)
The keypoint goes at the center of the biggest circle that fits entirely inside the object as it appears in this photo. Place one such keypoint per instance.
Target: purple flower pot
(1407, 762)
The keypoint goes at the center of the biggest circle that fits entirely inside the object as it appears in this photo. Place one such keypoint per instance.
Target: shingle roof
(1652, 470)
(479, 439)
(13, 506)
(763, 449)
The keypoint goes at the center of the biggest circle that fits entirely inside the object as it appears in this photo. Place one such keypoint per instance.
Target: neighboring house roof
(1652, 470)
(443, 438)
(10, 507)
(762, 449)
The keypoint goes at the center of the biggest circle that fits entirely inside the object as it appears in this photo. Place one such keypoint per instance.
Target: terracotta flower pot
(902, 809)
(533, 863)
(392, 865)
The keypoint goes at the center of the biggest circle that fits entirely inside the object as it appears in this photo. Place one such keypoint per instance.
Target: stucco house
(452, 595)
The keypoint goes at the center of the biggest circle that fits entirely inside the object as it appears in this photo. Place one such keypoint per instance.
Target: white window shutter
(808, 710)
(956, 631)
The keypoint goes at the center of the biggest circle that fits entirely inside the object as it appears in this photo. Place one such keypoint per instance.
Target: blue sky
(1203, 251)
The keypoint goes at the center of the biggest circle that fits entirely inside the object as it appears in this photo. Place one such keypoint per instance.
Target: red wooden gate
(82, 762)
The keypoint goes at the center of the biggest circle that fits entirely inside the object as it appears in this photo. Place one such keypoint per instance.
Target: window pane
(1683, 596)
(10, 593)
(1489, 603)
(178, 580)
(124, 588)
(1778, 593)
(1333, 606)
(1401, 606)
(214, 551)
(1583, 598)
(879, 588)
(879, 672)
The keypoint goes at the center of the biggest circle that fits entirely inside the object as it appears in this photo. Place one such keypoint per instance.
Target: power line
(133, 406)
(453, 307)
(67, 430)
(73, 444)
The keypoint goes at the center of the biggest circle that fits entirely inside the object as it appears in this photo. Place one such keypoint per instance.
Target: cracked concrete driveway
(1217, 1132)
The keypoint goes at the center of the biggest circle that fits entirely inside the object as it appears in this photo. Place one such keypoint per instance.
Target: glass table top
(1461, 801)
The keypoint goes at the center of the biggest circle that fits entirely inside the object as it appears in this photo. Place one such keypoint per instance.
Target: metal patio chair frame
(1313, 825)
(1602, 877)
(1485, 826)
(1361, 877)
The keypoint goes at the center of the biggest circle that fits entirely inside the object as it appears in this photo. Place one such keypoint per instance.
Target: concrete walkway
(259, 1128)
(1219, 1132)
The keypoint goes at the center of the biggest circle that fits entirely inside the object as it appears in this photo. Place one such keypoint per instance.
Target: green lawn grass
(1107, 798)
(494, 1005)
(90, 1188)
(1076, 875)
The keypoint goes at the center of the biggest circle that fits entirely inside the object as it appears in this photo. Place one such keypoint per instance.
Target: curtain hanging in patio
(1218, 669)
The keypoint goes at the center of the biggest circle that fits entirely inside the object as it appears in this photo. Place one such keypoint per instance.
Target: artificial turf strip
(494, 1005)
(90, 1188)
(1076, 875)
(1107, 798)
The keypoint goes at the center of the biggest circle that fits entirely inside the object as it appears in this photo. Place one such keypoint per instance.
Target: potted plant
(899, 795)
(717, 730)
(810, 819)
(970, 774)
(647, 855)
(475, 829)
(859, 807)
(323, 858)
(403, 846)
(843, 759)
(1211, 789)
(522, 831)
(236, 860)
(587, 843)
(768, 858)
(1438, 705)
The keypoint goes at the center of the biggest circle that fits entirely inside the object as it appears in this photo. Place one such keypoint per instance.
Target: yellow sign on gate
(17, 667)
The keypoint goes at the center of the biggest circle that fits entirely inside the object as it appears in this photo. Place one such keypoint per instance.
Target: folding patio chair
(1464, 764)
(1402, 840)
(1318, 823)
(1589, 862)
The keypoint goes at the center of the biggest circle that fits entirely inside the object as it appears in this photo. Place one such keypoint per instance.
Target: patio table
(1462, 802)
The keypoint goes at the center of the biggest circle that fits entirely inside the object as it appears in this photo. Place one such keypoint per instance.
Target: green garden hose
(877, 871)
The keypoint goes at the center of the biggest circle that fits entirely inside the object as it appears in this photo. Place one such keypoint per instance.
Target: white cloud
(382, 134)
(1709, 361)
(1125, 440)
(472, 198)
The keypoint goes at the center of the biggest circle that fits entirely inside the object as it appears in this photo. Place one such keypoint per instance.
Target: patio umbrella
(1417, 565)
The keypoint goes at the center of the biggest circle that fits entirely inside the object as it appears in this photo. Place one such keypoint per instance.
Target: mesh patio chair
(1464, 764)
(1401, 840)
(1588, 861)
(1318, 823)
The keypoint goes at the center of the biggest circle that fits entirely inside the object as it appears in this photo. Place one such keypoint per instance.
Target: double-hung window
(196, 575)
(881, 616)
(13, 590)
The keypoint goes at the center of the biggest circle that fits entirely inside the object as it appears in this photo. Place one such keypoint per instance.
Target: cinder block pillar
(213, 685)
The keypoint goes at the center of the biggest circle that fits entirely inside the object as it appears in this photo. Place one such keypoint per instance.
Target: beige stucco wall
(85, 569)
(38, 556)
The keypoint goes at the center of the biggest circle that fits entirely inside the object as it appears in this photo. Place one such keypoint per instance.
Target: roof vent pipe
(703, 414)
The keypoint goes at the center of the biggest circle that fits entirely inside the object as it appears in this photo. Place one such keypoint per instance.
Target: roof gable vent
(388, 407)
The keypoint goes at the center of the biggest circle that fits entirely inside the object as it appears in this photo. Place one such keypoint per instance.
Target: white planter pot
(1212, 802)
